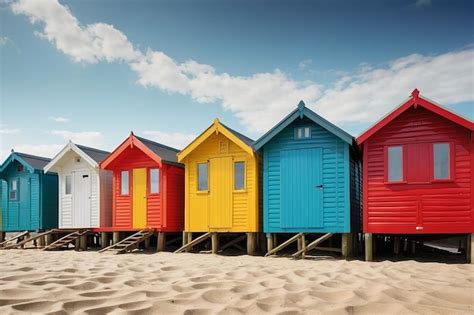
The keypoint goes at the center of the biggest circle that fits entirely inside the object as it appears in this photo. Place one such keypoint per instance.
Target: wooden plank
(14, 238)
(346, 244)
(30, 239)
(251, 243)
(161, 242)
(269, 242)
(312, 245)
(192, 243)
(283, 245)
(215, 242)
(369, 256)
(233, 242)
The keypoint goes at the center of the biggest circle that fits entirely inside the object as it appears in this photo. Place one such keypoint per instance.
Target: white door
(82, 199)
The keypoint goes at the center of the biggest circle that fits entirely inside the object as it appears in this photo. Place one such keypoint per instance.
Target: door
(81, 199)
(139, 197)
(220, 193)
(24, 204)
(301, 188)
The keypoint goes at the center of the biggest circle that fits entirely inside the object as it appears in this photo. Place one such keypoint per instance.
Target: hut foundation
(469, 248)
(269, 242)
(215, 243)
(116, 237)
(346, 245)
(161, 241)
(104, 239)
(251, 243)
(2, 236)
(369, 256)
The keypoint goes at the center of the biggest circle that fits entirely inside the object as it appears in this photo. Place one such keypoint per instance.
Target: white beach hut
(85, 191)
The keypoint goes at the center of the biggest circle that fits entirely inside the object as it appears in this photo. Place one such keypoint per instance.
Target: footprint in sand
(96, 294)
(218, 296)
(36, 307)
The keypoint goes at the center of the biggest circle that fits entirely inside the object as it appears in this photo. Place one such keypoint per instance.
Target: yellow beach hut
(221, 187)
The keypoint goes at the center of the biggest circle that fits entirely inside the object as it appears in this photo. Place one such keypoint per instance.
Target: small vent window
(302, 132)
(124, 183)
(14, 189)
(395, 164)
(239, 175)
(203, 179)
(223, 146)
(154, 181)
(68, 184)
(441, 160)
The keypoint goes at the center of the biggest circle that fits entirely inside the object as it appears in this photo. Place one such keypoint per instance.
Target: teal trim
(300, 112)
(14, 157)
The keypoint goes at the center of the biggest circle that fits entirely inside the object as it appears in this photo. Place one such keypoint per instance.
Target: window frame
(432, 180)
(451, 163)
(120, 183)
(17, 180)
(65, 185)
(205, 191)
(303, 136)
(244, 189)
(386, 166)
(149, 181)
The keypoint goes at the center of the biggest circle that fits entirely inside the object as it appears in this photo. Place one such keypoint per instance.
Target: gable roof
(156, 151)
(414, 101)
(244, 142)
(30, 162)
(300, 112)
(90, 155)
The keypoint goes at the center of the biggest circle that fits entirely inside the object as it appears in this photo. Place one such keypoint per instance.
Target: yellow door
(220, 193)
(139, 197)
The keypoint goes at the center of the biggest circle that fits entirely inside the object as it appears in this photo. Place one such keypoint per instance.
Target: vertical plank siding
(444, 207)
(335, 209)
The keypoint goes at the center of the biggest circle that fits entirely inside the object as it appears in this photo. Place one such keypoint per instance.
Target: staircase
(66, 240)
(129, 243)
(17, 237)
(28, 240)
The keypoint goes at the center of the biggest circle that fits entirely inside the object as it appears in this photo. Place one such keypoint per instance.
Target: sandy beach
(33, 281)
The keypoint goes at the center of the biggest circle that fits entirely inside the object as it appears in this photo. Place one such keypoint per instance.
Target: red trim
(472, 177)
(365, 185)
(416, 100)
(131, 141)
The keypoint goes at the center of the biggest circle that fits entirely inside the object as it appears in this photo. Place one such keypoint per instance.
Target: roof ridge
(93, 149)
(32, 156)
(235, 131)
(157, 143)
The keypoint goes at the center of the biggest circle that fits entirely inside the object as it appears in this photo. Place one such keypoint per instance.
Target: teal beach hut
(311, 177)
(29, 198)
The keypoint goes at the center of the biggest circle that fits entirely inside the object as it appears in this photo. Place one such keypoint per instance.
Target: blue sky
(92, 71)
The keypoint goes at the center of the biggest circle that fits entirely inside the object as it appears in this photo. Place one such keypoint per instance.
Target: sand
(164, 283)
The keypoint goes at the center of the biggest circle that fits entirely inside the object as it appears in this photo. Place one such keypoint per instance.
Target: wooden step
(14, 238)
(130, 242)
(30, 239)
(66, 240)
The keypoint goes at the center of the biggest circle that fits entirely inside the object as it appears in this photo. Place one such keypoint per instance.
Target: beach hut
(221, 185)
(85, 191)
(418, 164)
(29, 198)
(311, 178)
(148, 187)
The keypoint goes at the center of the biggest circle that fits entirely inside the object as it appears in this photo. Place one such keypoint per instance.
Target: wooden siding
(174, 190)
(105, 186)
(442, 207)
(244, 204)
(49, 201)
(335, 178)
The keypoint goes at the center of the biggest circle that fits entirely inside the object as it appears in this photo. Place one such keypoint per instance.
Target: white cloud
(302, 65)
(175, 139)
(261, 99)
(4, 40)
(45, 150)
(59, 119)
(7, 131)
(91, 43)
(90, 138)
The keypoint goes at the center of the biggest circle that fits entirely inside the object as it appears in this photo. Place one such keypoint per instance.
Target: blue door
(24, 208)
(301, 188)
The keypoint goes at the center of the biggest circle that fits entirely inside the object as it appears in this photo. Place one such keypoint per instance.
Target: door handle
(319, 186)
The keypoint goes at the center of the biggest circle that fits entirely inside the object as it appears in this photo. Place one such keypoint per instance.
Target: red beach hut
(418, 171)
(148, 186)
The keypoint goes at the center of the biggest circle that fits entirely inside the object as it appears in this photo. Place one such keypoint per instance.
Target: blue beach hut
(29, 198)
(311, 178)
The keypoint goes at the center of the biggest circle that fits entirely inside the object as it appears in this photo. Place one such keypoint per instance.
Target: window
(124, 183)
(303, 132)
(203, 181)
(14, 189)
(441, 161)
(68, 184)
(154, 181)
(239, 175)
(395, 164)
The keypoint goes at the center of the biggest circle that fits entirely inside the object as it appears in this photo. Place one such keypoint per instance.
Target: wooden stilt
(83, 242)
(413, 247)
(303, 246)
(49, 239)
(161, 242)
(405, 245)
(2, 237)
(104, 239)
(192, 243)
(234, 243)
(284, 244)
(116, 237)
(215, 242)
(346, 246)
(469, 248)
(251, 243)
(369, 256)
(269, 242)
(396, 245)
(77, 244)
(311, 245)
(147, 243)
(41, 241)
(190, 239)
